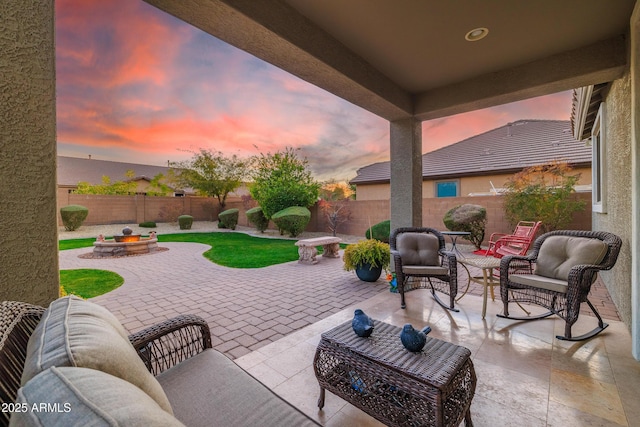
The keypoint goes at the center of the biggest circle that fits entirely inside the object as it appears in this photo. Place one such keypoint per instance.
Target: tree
(124, 188)
(542, 193)
(108, 188)
(211, 173)
(282, 180)
(334, 204)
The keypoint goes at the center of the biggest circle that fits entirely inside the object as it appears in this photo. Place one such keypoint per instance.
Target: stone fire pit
(124, 244)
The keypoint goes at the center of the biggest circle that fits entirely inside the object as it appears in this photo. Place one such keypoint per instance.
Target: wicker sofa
(73, 364)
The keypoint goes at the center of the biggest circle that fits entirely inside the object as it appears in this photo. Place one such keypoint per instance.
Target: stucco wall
(617, 219)
(28, 232)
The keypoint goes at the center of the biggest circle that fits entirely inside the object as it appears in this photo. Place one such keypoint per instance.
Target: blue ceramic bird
(412, 339)
(362, 324)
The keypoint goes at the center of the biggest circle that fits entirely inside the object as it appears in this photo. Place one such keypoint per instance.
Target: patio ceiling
(410, 58)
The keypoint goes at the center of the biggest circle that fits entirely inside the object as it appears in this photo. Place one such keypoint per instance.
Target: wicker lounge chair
(166, 375)
(421, 261)
(566, 265)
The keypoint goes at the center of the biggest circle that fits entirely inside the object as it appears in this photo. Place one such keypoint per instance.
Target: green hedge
(73, 216)
(257, 218)
(185, 222)
(380, 231)
(228, 219)
(293, 220)
(147, 224)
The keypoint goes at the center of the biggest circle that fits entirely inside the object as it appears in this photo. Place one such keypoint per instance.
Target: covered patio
(406, 63)
(271, 326)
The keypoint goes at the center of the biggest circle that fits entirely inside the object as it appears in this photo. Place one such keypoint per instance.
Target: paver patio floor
(245, 308)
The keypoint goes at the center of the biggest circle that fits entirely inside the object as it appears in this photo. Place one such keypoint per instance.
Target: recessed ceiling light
(476, 34)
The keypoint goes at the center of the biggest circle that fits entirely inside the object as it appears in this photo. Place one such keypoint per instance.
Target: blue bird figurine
(412, 339)
(362, 324)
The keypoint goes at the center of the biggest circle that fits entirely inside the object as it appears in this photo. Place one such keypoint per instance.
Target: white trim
(583, 96)
(599, 163)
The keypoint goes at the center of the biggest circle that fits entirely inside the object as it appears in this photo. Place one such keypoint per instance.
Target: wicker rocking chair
(421, 261)
(566, 264)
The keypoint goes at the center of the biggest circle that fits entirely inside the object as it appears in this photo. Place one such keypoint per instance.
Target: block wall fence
(137, 209)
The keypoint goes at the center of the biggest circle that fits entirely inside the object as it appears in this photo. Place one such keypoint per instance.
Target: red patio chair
(518, 243)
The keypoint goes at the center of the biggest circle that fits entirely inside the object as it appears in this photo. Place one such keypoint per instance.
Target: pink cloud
(134, 80)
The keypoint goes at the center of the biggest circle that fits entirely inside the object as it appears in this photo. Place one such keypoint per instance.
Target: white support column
(635, 182)
(406, 173)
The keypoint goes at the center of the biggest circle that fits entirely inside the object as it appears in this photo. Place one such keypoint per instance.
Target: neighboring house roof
(72, 170)
(507, 149)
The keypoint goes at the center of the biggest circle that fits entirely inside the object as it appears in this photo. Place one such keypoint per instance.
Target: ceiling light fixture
(476, 34)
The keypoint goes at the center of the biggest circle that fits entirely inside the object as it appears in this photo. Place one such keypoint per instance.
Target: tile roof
(506, 149)
(72, 170)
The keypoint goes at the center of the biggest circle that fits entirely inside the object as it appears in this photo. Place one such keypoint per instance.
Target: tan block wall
(136, 209)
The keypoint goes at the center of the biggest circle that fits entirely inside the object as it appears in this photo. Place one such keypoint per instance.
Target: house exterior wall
(618, 218)
(468, 185)
(28, 232)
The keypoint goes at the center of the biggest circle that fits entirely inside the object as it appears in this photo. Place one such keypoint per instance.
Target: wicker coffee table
(397, 387)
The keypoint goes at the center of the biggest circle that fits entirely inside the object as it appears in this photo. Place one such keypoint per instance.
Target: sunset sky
(137, 85)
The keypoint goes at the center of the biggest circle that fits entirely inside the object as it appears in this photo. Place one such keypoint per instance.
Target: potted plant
(368, 258)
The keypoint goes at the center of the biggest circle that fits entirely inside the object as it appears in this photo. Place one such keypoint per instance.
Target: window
(598, 164)
(447, 188)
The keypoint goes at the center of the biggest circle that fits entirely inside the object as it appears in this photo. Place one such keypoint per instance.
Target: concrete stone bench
(307, 249)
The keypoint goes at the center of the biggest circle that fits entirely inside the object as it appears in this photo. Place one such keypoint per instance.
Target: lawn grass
(237, 250)
(63, 245)
(89, 283)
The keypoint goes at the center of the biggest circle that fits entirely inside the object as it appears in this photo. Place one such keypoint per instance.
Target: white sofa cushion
(68, 396)
(75, 332)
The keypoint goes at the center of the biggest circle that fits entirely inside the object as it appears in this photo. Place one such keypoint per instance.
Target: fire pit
(124, 244)
(127, 236)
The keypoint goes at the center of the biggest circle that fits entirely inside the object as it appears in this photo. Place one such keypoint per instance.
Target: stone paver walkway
(245, 308)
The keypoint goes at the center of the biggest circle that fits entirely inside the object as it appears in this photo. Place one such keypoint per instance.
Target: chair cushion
(540, 282)
(558, 254)
(86, 397)
(418, 248)
(210, 390)
(75, 332)
(424, 270)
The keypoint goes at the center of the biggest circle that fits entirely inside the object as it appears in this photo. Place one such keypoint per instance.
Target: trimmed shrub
(73, 216)
(185, 221)
(228, 218)
(293, 220)
(147, 224)
(380, 231)
(257, 218)
(471, 218)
